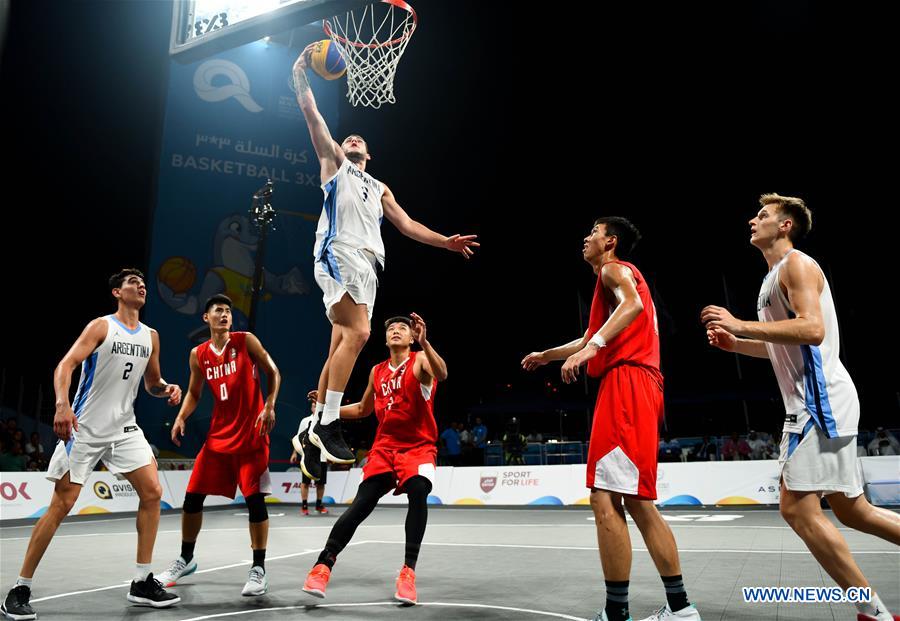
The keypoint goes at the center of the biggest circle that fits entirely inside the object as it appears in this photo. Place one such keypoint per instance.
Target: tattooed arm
(330, 154)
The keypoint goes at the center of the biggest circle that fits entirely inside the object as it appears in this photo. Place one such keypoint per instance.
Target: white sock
(141, 571)
(23, 581)
(332, 410)
(313, 420)
(875, 608)
(320, 407)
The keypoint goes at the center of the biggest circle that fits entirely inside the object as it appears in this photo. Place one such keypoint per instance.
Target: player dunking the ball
(348, 248)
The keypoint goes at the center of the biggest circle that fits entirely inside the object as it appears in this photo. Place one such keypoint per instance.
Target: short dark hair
(622, 228)
(398, 319)
(219, 298)
(118, 279)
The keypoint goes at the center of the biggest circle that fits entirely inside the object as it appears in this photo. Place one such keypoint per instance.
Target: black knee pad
(193, 503)
(374, 488)
(256, 506)
(417, 487)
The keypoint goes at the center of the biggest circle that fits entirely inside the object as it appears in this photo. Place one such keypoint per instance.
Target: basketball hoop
(372, 40)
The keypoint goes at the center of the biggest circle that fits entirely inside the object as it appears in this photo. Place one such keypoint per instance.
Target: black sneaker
(150, 592)
(16, 606)
(330, 439)
(310, 458)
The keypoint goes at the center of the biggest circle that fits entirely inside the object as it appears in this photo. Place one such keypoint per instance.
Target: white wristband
(597, 341)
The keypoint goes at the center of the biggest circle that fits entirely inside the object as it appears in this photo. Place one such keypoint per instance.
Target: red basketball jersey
(405, 408)
(232, 377)
(638, 344)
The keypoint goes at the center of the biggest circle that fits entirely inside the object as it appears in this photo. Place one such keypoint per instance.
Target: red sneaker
(304, 510)
(322, 510)
(317, 580)
(406, 586)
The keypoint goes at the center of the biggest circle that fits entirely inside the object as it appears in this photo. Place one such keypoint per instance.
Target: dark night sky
(522, 128)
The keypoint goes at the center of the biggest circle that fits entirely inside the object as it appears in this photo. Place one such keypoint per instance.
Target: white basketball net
(372, 40)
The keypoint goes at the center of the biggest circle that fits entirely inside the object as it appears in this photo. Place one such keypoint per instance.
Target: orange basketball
(178, 274)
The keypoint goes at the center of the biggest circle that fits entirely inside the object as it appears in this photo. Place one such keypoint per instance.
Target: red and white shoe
(406, 586)
(317, 580)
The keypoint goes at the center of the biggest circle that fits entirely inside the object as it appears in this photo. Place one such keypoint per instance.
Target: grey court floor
(476, 563)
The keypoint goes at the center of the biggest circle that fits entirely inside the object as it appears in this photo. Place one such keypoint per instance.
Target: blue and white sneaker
(177, 570)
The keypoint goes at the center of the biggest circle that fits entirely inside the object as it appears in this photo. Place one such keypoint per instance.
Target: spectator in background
(479, 440)
(884, 443)
(757, 446)
(465, 436)
(514, 443)
(669, 449)
(705, 451)
(9, 462)
(465, 445)
(450, 438)
(13, 457)
(735, 448)
(10, 427)
(772, 444)
(34, 449)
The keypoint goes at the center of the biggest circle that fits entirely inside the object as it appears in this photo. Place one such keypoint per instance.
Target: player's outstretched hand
(721, 338)
(462, 244)
(418, 328)
(718, 317)
(534, 360)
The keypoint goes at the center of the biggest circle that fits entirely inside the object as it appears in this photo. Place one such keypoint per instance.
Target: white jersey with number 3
(352, 213)
(110, 377)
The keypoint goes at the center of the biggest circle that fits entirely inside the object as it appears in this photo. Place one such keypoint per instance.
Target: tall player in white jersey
(114, 352)
(798, 331)
(348, 248)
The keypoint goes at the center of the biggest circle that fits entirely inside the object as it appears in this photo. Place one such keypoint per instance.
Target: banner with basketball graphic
(232, 123)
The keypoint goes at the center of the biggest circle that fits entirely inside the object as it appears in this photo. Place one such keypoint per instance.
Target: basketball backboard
(201, 28)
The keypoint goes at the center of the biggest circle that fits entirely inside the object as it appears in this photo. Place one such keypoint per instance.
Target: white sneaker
(257, 582)
(178, 569)
(665, 614)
